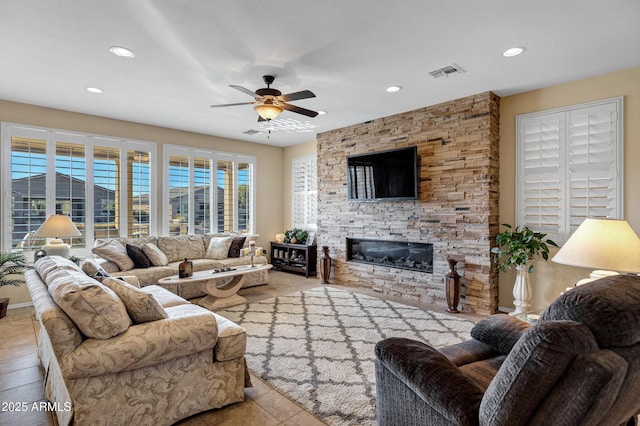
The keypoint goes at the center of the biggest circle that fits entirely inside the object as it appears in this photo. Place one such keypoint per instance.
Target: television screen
(386, 175)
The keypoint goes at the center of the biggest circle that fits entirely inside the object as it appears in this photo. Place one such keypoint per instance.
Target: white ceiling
(345, 51)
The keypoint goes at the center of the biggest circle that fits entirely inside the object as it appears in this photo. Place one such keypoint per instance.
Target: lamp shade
(268, 110)
(602, 244)
(57, 226)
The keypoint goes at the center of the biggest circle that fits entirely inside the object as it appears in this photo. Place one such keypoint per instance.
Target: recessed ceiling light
(122, 51)
(94, 90)
(393, 89)
(322, 112)
(514, 51)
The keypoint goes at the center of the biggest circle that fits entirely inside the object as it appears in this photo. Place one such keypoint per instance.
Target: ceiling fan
(269, 103)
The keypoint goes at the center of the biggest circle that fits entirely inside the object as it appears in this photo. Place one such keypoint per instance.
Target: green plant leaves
(519, 247)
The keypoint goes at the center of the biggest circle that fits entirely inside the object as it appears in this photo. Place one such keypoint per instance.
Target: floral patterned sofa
(126, 256)
(115, 354)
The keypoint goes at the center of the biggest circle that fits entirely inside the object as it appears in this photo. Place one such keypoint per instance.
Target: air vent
(251, 132)
(446, 71)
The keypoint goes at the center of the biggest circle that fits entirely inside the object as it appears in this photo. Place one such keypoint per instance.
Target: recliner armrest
(431, 376)
(500, 331)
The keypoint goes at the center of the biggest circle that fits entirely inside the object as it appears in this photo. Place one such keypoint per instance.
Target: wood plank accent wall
(457, 209)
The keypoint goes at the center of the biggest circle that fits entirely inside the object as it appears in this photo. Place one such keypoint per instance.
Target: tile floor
(21, 378)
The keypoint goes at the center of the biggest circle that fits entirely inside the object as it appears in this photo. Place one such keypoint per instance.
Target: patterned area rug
(316, 346)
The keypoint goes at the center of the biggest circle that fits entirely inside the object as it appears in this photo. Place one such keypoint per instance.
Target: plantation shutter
(305, 192)
(569, 167)
(593, 168)
(542, 170)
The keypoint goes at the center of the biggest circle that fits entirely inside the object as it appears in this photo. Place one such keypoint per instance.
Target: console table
(299, 258)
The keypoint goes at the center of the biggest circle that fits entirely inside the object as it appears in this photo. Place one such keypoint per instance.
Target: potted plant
(11, 264)
(518, 247)
(295, 236)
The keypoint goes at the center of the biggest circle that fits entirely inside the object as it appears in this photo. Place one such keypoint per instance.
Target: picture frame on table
(311, 237)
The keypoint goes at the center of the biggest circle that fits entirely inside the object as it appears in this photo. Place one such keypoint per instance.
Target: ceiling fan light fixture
(268, 111)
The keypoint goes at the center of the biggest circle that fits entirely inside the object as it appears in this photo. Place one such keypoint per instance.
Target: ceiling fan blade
(243, 90)
(228, 105)
(260, 118)
(299, 110)
(304, 94)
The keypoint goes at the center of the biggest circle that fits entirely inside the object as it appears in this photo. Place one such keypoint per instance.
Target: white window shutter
(541, 168)
(593, 167)
(569, 167)
(305, 192)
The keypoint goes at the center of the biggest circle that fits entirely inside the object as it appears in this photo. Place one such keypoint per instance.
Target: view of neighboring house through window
(79, 175)
(197, 180)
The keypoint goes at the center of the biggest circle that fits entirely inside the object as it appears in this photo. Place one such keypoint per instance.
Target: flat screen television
(383, 176)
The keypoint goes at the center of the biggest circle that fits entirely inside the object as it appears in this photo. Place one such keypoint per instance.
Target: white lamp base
(596, 275)
(57, 247)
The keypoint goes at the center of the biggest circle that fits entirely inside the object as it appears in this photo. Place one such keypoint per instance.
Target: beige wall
(300, 150)
(549, 279)
(269, 169)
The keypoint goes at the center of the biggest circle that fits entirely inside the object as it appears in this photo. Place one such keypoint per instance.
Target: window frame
(215, 156)
(563, 117)
(51, 137)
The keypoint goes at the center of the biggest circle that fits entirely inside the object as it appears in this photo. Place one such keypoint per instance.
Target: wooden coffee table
(221, 285)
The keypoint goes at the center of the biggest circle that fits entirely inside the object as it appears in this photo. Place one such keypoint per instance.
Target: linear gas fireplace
(394, 254)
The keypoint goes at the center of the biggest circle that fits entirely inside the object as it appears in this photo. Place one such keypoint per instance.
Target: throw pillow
(236, 246)
(137, 255)
(114, 252)
(251, 237)
(155, 255)
(141, 306)
(218, 248)
(95, 309)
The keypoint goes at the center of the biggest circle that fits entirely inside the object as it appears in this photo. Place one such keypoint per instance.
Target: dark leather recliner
(579, 365)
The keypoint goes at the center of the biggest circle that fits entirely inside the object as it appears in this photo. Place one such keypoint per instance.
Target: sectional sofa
(151, 258)
(116, 354)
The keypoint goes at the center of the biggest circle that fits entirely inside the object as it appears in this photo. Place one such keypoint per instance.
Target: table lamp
(57, 226)
(608, 245)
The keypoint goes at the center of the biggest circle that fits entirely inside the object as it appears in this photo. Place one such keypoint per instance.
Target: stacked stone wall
(456, 210)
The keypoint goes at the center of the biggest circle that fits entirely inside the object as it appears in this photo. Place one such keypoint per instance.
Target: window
(208, 191)
(105, 185)
(305, 192)
(569, 167)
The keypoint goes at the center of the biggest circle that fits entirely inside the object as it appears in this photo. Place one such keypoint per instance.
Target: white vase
(521, 291)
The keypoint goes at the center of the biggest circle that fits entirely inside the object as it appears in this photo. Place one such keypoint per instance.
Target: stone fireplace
(395, 254)
(456, 210)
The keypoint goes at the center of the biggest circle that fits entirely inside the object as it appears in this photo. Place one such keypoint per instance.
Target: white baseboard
(20, 305)
(503, 309)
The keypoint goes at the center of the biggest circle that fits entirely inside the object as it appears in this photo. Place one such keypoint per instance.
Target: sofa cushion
(219, 248)
(249, 238)
(155, 255)
(232, 339)
(95, 309)
(603, 306)
(179, 247)
(137, 255)
(115, 252)
(49, 264)
(236, 246)
(532, 368)
(141, 305)
(164, 296)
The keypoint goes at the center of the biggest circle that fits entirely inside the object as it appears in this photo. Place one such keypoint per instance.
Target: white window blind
(105, 187)
(305, 192)
(208, 191)
(569, 167)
